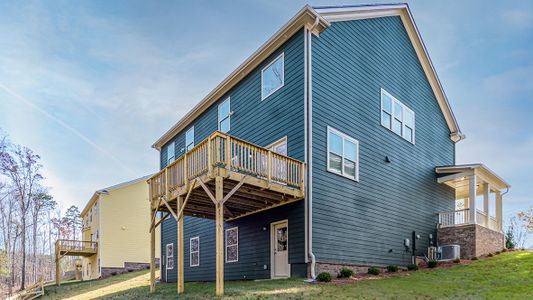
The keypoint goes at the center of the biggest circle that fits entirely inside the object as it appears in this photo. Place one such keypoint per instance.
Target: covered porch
(476, 223)
(222, 178)
(478, 193)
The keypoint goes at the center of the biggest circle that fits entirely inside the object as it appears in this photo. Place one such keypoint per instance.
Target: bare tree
(22, 167)
(40, 200)
(527, 218)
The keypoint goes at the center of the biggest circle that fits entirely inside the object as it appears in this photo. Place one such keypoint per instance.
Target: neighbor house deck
(222, 178)
(72, 248)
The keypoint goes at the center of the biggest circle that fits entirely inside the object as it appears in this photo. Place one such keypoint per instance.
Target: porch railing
(453, 218)
(76, 245)
(233, 154)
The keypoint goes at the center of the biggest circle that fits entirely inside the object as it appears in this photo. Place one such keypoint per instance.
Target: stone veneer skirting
(474, 239)
(128, 266)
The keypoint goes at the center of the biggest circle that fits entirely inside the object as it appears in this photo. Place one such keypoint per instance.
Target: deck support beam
(219, 206)
(181, 280)
(58, 276)
(152, 261)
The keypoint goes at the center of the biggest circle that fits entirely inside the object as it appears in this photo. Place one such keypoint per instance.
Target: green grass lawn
(505, 276)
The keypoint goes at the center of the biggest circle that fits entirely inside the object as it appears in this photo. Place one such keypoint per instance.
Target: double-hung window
(195, 251)
(171, 152)
(189, 139)
(170, 256)
(224, 114)
(232, 244)
(397, 117)
(273, 76)
(343, 154)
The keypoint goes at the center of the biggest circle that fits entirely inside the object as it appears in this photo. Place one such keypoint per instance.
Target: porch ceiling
(458, 177)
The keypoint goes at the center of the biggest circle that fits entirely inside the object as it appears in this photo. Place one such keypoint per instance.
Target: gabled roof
(109, 189)
(318, 19)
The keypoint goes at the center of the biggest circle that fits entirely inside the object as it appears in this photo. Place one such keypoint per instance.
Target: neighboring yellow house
(116, 218)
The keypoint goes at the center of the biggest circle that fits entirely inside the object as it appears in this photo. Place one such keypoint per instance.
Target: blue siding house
(332, 146)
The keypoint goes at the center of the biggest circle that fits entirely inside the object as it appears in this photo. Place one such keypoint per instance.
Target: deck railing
(76, 245)
(233, 154)
(453, 218)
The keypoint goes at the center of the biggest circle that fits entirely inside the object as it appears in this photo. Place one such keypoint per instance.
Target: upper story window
(273, 76)
(224, 114)
(171, 152)
(343, 154)
(232, 244)
(195, 251)
(189, 139)
(397, 117)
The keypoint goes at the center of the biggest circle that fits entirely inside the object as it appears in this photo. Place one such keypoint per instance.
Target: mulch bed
(422, 267)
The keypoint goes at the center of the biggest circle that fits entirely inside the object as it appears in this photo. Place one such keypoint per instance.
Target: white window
(397, 117)
(343, 154)
(224, 114)
(232, 244)
(170, 256)
(171, 152)
(189, 139)
(195, 251)
(273, 76)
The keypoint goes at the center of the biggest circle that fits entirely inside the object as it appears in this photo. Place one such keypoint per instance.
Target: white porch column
(486, 192)
(472, 199)
(499, 210)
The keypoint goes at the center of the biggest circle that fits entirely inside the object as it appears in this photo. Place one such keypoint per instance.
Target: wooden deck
(72, 248)
(266, 179)
(222, 178)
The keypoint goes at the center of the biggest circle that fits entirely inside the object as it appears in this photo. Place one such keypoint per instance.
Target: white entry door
(280, 266)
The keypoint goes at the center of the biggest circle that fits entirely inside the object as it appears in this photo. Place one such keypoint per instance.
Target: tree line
(30, 220)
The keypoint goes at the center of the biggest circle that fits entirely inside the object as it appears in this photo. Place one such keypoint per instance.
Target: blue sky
(90, 85)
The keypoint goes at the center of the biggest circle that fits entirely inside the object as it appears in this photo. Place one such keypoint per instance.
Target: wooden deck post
(219, 195)
(58, 276)
(181, 279)
(152, 259)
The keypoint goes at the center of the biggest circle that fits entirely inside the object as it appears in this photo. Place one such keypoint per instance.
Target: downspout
(310, 150)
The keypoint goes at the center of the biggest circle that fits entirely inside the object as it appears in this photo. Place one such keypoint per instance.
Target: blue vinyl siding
(261, 123)
(366, 222)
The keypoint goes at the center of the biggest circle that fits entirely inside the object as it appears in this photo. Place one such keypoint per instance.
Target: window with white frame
(397, 117)
(343, 154)
(195, 251)
(232, 244)
(170, 256)
(273, 76)
(189, 139)
(171, 152)
(224, 114)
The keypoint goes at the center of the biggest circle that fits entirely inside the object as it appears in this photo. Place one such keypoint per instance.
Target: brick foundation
(474, 240)
(334, 269)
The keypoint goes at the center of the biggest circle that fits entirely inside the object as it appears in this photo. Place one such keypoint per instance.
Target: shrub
(432, 263)
(475, 258)
(324, 277)
(504, 250)
(498, 252)
(374, 271)
(412, 267)
(345, 273)
(490, 255)
(114, 273)
(457, 260)
(130, 270)
(392, 268)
